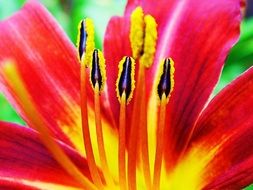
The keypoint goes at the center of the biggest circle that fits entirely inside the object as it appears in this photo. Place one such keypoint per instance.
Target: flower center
(143, 37)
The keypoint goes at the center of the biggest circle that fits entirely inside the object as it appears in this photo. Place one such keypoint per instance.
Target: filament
(134, 132)
(86, 131)
(144, 135)
(122, 143)
(100, 139)
(159, 143)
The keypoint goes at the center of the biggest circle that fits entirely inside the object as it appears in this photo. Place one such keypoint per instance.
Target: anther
(165, 83)
(143, 36)
(149, 46)
(125, 82)
(85, 41)
(137, 32)
(98, 70)
(82, 39)
(124, 87)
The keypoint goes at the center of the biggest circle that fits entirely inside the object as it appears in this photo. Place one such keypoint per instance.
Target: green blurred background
(70, 12)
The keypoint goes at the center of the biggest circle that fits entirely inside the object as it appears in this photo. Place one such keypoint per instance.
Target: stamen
(165, 85)
(137, 32)
(14, 79)
(125, 82)
(85, 41)
(124, 87)
(149, 48)
(97, 79)
(86, 131)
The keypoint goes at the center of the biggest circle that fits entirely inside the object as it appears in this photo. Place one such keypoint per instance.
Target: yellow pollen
(137, 32)
(149, 41)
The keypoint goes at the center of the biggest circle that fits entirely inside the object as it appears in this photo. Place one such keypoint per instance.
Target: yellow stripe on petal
(74, 132)
(13, 78)
(71, 126)
(190, 171)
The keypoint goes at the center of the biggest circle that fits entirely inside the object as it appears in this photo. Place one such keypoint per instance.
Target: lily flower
(137, 115)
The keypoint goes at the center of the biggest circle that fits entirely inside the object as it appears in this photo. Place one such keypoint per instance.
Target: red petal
(47, 62)
(227, 123)
(197, 35)
(229, 110)
(232, 165)
(116, 46)
(24, 157)
(237, 177)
